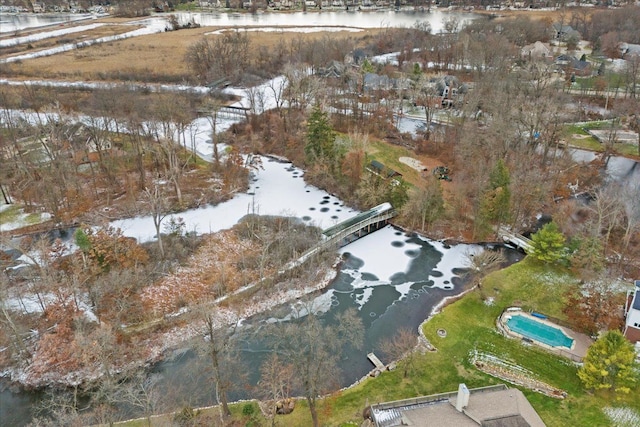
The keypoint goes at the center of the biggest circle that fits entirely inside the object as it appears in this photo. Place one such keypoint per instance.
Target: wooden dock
(374, 359)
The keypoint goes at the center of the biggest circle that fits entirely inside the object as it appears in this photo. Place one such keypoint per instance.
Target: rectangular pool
(539, 331)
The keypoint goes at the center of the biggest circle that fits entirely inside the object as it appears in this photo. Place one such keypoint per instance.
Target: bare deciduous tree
(481, 264)
(143, 392)
(402, 346)
(220, 346)
(276, 382)
(223, 57)
(314, 350)
(159, 210)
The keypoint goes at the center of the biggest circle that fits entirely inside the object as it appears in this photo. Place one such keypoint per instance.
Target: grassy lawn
(578, 136)
(388, 155)
(627, 149)
(15, 214)
(10, 213)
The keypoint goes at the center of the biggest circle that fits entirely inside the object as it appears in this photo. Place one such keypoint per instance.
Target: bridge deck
(338, 233)
(516, 239)
(359, 218)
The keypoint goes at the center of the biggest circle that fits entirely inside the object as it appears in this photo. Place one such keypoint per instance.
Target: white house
(632, 314)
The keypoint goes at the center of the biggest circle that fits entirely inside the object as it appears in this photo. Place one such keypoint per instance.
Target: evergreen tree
(397, 192)
(610, 364)
(417, 72)
(548, 244)
(321, 145)
(367, 67)
(495, 206)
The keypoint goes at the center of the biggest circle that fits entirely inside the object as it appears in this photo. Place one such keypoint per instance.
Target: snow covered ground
(149, 26)
(20, 219)
(14, 41)
(107, 85)
(278, 189)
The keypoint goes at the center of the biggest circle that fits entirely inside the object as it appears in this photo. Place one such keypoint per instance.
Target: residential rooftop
(493, 406)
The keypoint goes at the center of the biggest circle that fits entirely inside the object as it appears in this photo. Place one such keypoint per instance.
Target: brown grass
(537, 14)
(161, 53)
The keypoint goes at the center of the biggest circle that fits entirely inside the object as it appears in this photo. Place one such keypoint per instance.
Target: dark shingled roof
(636, 300)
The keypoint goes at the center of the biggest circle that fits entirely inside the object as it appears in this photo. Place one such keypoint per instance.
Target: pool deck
(581, 342)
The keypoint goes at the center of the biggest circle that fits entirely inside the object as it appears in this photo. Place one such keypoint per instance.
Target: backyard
(578, 135)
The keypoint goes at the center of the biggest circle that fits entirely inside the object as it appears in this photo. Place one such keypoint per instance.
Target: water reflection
(23, 21)
(360, 19)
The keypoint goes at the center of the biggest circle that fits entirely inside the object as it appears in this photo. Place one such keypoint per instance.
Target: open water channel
(271, 21)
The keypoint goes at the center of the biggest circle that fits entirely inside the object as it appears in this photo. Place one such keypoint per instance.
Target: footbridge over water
(518, 240)
(355, 227)
(349, 230)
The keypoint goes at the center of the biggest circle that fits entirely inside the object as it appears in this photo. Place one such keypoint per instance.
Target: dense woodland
(503, 140)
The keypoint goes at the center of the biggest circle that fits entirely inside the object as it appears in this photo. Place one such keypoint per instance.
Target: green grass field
(389, 156)
(577, 136)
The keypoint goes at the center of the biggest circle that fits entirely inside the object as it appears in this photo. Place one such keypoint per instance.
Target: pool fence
(504, 330)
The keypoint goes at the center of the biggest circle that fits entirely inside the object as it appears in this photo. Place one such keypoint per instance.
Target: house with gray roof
(628, 50)
(536, 51)
(564, 32)
(493, 406)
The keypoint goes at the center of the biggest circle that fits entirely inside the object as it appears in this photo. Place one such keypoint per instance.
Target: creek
(394, 281)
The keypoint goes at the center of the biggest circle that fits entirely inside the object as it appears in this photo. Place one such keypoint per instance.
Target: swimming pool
(539, 331)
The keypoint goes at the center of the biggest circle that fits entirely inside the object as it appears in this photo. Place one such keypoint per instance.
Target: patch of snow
(623, 416)
(278, 189)
(27, 304)
(47, 34)
(87, 311)
(384, 261)
(22, 219)
(149, 26)
(107, 85)
(28, 21)
(381, 259)
(453, 257)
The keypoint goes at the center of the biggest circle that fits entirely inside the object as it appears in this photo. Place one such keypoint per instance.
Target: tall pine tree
(495, 205)
(321, 139)
(548, 244)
